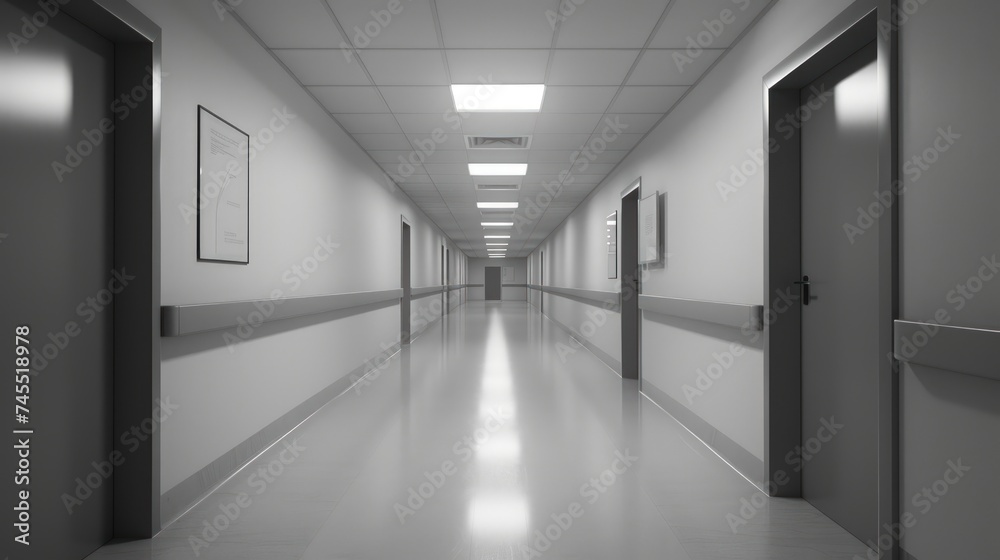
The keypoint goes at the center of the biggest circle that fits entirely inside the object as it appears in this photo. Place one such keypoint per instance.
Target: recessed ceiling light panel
(498, 98)
(498, 169)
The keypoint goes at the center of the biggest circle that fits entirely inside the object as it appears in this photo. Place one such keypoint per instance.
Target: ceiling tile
(647, 99)
(323, 67)
(671, 68)
(610, 23)
(635, 123)
(555, 123)
(417, 123)
(562, 157)
(498, 66)
(411, 26)
(418, 99)
(590, 67)
(382, 141)
(558, 141)
(431, 143)
(350, 99)
(620, 142)
(406, 67)
(447, 156)
(492, 24)
(689, 21)
(578, 99)
(371, 123)
(291, 23)
(447, 168)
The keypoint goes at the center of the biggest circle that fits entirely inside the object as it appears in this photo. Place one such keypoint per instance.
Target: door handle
(805, 290)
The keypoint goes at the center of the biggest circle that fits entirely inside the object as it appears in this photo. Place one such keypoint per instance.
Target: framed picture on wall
(223, 190)
(650, 229)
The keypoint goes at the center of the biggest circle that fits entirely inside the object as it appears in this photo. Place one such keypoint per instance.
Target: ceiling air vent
(498, 142)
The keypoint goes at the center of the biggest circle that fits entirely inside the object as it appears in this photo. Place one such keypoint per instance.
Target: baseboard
(745, 462)
(180, 498)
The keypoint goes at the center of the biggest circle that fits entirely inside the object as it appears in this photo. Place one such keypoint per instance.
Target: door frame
(629, 244)
(857, 26)
(138, 44)
(405, 279)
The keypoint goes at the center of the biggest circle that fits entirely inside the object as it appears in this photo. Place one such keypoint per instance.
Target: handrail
(730, 314)
(608, 300)
(957, 349)
(181, 320)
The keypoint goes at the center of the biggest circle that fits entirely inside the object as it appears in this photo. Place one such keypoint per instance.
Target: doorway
(631, 283)
(840, 352)
(404, 283)
(494, 289)
(80, 211)
(832, 407)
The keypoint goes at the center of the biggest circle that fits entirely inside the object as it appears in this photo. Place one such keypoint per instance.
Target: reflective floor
(494, 437)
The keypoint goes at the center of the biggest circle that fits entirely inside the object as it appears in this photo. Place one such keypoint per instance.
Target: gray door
(840, 355)
(56, 189)
(404, 283)
(631, 278)
(493, 286)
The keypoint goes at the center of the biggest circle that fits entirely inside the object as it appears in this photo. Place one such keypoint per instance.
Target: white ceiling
(387, 85)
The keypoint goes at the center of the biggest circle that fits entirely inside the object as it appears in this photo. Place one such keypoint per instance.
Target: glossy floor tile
(486, 440)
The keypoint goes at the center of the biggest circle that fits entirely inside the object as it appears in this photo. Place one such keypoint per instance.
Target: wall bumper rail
(738, 315)
(182, 320)
(612, 301)
(956, 349)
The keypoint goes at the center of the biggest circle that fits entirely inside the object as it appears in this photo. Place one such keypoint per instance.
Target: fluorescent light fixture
(496, 237)
(498, 256)
(498, 224)
(497, 250)
(498, 169)
(496, 244)
(496, 98)
(497, 205)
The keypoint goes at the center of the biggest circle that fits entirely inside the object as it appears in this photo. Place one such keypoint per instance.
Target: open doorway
(631, 283)
(404, 283)
(827, 377)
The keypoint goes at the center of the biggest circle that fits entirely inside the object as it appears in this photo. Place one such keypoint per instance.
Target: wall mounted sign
(612, 238)
(223, 190)
(650, 230)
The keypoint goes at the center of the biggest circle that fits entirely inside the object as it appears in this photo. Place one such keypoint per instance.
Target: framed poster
(223, 190)
(612, 238)
(650, 230)
(508, 274)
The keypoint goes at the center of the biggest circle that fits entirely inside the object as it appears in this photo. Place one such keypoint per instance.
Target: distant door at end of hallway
(493, 286)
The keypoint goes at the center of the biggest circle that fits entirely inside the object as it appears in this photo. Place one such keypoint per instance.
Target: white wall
(477, 275)
(714, 244)
(311, 182)
(949, 223)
